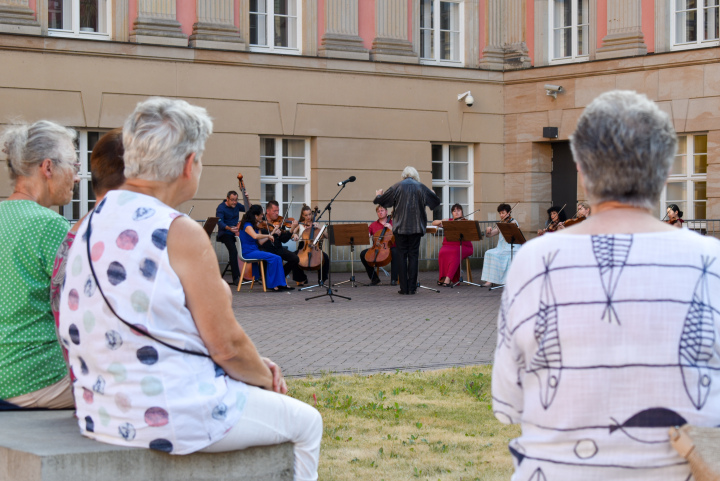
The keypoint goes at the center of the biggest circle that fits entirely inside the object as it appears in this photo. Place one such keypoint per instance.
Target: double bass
(379, 254)
(311, 255)
(241, 185)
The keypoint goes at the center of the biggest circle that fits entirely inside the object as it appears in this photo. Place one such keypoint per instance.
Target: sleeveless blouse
(130, 389)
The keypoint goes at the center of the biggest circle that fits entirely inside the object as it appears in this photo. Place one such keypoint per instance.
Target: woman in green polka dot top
(41, 160)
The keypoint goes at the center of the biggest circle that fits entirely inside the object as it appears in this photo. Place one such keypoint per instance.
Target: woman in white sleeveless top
(160, 360)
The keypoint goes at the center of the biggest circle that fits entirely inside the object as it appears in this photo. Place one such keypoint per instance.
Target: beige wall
(368, 119)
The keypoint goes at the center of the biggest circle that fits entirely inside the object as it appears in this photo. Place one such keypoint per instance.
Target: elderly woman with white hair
(605, 340)
(42, 163)
(161, 362)
(408, 198)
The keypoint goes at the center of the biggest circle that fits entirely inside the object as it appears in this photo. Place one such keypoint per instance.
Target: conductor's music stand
(460, 231)
(349, 235)
(512, 235)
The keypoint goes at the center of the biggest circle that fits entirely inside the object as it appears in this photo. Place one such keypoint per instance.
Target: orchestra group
(263, 235)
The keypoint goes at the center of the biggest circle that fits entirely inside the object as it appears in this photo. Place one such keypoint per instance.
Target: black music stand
(349, 235)
(460, 231)
(512, 235)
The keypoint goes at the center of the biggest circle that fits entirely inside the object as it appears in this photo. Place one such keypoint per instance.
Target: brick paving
(377, 330)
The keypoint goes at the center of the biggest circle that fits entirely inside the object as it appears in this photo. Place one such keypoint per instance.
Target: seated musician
(497, 260)
(251, 239)
(449, 255)
(555, 219)
(305, 222)
(275, 245)
(675, 216)
(583, 212)
(378, 226)
(228, 214)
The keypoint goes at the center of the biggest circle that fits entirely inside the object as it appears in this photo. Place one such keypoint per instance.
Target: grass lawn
(422, 425)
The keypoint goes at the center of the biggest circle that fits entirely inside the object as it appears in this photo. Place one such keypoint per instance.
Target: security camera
(553, 90)
(469, 100)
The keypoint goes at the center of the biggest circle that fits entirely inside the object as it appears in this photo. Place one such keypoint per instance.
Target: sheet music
(320, 234)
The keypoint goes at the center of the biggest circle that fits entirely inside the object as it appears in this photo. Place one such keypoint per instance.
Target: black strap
(134, 328)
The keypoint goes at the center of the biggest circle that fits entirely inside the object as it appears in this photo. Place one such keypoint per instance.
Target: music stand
(512, 235)
(349, 235)
(460, 231)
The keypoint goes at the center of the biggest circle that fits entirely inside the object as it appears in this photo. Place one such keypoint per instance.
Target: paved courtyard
(377, 330)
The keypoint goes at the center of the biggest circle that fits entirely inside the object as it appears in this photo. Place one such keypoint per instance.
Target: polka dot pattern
(131, 387)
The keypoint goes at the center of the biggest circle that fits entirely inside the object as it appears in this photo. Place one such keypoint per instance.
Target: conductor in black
(408, 198)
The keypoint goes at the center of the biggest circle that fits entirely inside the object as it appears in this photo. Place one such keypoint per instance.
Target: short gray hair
(27, 145)
(160, 134)
(624, 145)
(410, 172)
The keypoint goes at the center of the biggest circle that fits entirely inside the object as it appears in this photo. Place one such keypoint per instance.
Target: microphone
(351, 179)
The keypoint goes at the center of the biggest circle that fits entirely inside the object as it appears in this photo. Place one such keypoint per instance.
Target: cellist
(381, 223)
(305, 222)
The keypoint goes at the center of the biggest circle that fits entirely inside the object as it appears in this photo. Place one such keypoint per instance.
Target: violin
(509, 219)
(379, 254)
(311, 253)
(574, 220)
(280, 222)
(553, 225)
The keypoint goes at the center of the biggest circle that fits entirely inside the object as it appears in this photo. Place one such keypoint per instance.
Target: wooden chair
(247, 262)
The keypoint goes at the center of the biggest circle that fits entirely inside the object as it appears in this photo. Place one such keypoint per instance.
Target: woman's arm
(437, 223)
(208, 298)
(259, 238)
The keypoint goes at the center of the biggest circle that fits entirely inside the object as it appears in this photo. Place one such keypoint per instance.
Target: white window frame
(689, 177)
(573, 37)
(83, 188)
(74, 17)
(279, 180)
(270, 31)
(700, 21)
(445, 183)
(436, 60)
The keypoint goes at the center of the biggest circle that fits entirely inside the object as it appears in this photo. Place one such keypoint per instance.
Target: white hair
(410, 172)
(160, 134)
(624, 145)
(27, 145)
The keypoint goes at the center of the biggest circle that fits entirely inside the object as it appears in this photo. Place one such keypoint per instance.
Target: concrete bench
(48, 446)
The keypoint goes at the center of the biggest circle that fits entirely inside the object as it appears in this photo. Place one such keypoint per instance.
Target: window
(569, 29)
(274, 25)
(440, 34)
(696, 22)
(83, 195)
(452, 173)
(79, 18)
(285, 173)
(687, 183)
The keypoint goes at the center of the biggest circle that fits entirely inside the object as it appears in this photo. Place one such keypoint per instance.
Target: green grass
(417, 426)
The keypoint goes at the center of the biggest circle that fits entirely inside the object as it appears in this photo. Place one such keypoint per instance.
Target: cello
(379, 254)
(310, 255)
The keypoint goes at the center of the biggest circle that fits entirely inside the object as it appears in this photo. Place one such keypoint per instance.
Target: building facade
(305, 93)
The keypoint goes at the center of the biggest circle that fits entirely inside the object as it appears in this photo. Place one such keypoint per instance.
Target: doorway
(564, 178)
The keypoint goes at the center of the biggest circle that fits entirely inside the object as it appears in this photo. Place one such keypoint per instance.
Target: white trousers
(272, 418)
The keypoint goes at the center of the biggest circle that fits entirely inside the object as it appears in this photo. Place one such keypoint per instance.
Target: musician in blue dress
(250, 238)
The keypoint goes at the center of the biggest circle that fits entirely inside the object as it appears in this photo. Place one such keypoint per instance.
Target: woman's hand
(378, 192)
(279, 385)
(488, 231)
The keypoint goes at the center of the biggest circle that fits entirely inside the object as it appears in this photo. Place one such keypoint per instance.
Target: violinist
(381, 223)
(251, 239)
(674, 215)
(555, 219)
(228, 214)
(583, 212)
(497, 260)
(281, 236)
(305, 222)
(448, 258)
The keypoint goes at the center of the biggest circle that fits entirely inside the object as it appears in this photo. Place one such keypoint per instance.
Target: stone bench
(48, 446)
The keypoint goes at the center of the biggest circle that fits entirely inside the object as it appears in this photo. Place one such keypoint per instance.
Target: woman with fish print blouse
(605, 341)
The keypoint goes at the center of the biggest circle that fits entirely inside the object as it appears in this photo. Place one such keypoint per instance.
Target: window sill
(441, 63)
(691, 46)
(561, 61)
(274, 50)
(83, 35)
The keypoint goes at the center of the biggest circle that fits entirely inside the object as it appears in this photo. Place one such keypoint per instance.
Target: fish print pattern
(611, 253)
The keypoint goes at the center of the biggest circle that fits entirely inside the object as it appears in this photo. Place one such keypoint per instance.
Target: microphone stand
(330, 291)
